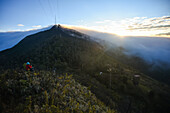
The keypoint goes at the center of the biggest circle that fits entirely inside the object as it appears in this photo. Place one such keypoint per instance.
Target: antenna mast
(55, 19)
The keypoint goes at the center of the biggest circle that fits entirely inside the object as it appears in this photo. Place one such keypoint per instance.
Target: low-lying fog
(152, 49)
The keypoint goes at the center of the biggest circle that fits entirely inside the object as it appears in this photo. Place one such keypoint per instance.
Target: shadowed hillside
(61, 50)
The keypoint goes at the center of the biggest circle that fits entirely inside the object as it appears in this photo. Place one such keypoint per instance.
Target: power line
(43, 9)
(50, 8)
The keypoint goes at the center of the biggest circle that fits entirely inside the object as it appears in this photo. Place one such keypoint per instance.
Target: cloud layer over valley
(10, 39)
(152, 49)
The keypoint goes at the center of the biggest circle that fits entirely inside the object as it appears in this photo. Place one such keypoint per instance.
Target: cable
(50, 8)
(43, 9)
(53, 14)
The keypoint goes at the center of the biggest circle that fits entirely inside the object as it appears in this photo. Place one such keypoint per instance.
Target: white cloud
(20, 25)
(136, 26)
(37, 26)
(2, 30)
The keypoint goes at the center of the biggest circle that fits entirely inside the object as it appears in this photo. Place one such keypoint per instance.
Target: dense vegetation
(160, 73)
(46, 92)
(60, 50)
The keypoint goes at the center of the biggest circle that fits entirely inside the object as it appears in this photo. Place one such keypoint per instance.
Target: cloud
(136, 26)
(166, 17)
(37, 26)
(20, 25)
(159, 23)
(160, 34)
(152, 49)
(150, 27)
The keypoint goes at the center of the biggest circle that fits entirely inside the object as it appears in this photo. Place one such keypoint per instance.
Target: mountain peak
(56, 26)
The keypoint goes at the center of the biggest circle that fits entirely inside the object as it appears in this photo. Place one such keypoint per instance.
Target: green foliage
(160, 73)
(49, 93)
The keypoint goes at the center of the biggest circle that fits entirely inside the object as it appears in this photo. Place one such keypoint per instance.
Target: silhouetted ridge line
(55, 27)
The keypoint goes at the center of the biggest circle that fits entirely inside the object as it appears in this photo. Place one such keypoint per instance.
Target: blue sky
(29, 14)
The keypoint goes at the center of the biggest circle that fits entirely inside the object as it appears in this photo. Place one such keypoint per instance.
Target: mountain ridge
(67, 51)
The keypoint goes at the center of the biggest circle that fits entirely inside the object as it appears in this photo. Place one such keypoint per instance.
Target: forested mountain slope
(61, 50)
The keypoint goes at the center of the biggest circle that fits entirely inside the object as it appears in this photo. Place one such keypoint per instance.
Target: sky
(121, 17)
